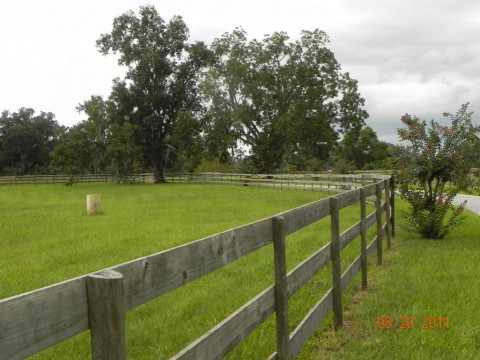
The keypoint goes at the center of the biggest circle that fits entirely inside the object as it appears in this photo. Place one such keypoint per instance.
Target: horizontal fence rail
(74, 179)
(34, 321)
(325, 182)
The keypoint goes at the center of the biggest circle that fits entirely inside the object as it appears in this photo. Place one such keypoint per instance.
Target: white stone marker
(93, 204)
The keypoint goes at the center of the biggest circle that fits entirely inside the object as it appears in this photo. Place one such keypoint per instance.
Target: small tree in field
(434, 168)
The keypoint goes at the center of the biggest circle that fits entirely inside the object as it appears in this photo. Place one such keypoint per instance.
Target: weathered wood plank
(392, 205)
(309, 324)
(378, 205)
(387, 211)
(106, 315)
(351, 271)
(149, 277)
(305, 215)
(370, 219)
(304, 271)
(221, 339)
(336, 273)
(363, 237)
(349, 235)
(34, 321)
(370, 190)
(371, 247)
(348, 198)
(224, 337)
(281, 299)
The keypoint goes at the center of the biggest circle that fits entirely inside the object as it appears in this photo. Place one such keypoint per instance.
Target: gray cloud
(415, 56)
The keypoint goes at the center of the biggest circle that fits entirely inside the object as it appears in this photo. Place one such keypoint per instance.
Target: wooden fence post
(281, 299)
(363, 236)
(335, 255)
(378, 214)
(387, 212)
(106, 315)
(392, 204)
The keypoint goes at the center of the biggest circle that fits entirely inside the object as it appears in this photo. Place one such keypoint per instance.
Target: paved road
(473, 202)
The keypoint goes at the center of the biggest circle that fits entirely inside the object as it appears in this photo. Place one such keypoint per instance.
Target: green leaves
(284, 100)
(26, 140)
(161, 81)
(434, 168)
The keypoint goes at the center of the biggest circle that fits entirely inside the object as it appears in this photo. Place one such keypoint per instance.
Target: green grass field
(47, 237)
(420, 280)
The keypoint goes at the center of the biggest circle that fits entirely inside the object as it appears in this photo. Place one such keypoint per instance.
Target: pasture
(47, 237)
(420, 281)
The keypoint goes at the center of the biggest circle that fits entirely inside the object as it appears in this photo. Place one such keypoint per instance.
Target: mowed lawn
(420, 285)
(47, 237)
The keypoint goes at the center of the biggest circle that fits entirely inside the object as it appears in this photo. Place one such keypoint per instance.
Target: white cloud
(415, 56)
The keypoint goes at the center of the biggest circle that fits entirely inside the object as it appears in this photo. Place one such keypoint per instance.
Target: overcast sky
(420, 57)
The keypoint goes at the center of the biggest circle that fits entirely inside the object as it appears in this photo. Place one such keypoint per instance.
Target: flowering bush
(434, 168)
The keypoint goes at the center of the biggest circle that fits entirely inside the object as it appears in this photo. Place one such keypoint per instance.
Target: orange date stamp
(409, 322)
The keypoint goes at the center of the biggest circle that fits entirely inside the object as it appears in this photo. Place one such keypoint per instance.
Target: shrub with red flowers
(434, 168)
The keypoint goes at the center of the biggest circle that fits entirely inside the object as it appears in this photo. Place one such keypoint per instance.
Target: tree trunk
(158, 177)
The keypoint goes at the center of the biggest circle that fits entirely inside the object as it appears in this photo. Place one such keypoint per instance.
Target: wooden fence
(73, 179)
(97, 302)
(325, 182)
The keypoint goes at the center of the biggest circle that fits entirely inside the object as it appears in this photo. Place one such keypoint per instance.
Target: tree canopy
(361, 149)
(26, 140)
(275, 104)
(160, 86)
(284, 101)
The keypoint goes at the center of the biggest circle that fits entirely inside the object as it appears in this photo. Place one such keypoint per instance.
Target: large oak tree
(160, 86)
(284, 101)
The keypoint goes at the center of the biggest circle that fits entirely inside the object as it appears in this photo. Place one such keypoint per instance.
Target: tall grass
(420, 278)
(47, 237)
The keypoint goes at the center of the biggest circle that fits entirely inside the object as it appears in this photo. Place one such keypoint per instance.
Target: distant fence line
(330, 181)
(72, 179)
(325, 182)
(34, 321)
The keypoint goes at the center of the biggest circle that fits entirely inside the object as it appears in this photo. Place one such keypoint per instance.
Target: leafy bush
(438, 155)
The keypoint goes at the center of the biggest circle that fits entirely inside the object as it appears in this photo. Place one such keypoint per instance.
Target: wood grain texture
(371, 247)
(34, 321)
(305, 215)
(149, 277)
(349, 235)
(370, 219)
(378, 205)
(336, 274)
(388, 212)
(351, 271)
(308, 325)
(363, 238)
(348, 198)
(304, 271)
(281, 299)
(221, 339)
(106, 315)
(370, 190)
